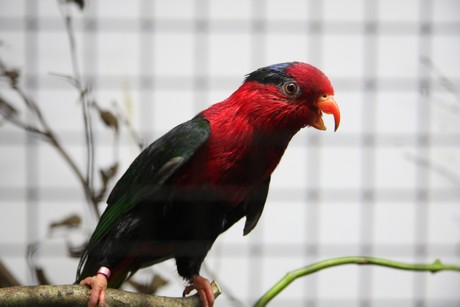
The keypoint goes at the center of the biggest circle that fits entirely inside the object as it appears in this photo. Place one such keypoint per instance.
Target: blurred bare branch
(43, 129)
(84, 99)
(79, 3)
(449, 107)
(41, 276)
(446, 172)
(7, 109)
(156, 282)
(450, 86)
(11, 113)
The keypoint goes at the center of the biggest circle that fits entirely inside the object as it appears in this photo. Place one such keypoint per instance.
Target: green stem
(293, 275)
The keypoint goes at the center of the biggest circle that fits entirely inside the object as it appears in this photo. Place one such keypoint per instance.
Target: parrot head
(296, 94)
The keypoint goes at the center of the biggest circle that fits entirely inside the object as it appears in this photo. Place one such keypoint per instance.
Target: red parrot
(200, 178)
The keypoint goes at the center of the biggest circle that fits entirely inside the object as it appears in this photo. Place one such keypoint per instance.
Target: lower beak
(328, 106)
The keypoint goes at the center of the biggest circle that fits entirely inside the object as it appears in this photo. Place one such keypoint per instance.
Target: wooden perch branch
(77, 295)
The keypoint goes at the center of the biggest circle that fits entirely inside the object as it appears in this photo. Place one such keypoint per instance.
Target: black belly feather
(183, 225)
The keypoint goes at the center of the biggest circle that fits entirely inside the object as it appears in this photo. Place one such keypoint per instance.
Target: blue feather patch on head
(273, 74)
(279, 67)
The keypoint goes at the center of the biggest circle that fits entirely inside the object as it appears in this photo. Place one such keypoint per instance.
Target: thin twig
(89, 137)
(446, 172)
(18, 123)
(434, 267)
(450, 86)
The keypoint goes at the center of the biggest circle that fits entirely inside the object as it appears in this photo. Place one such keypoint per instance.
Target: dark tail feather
(88, 266)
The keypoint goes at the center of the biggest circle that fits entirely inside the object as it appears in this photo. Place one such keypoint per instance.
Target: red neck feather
(249, 134)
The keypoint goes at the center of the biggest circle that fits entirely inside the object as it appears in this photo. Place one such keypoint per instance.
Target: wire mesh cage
(385, 185)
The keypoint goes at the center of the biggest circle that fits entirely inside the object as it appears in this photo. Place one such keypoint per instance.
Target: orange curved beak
(329, 106)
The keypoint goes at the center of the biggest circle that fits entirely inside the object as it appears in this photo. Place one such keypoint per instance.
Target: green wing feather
(148, 172)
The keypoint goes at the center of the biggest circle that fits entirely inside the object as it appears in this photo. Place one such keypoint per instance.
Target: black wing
(147, 173)
(252, 208)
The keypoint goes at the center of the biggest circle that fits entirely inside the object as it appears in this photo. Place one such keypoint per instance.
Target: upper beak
(329, 106)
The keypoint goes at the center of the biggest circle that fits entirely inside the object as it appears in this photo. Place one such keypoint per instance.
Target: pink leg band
(104, 271)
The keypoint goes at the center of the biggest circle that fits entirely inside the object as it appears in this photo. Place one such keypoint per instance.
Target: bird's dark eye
(290, 88)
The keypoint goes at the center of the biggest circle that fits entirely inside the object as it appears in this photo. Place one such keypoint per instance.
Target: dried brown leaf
(12, 75)
(109, 119)
(69, 221)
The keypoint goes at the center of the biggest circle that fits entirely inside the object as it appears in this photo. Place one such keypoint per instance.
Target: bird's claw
(98, 285)
(203, 287)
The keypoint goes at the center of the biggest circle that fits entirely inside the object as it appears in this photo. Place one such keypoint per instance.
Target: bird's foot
(203, 288)
(98, 285)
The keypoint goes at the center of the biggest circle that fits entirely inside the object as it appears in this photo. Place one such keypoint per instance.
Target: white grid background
(359, 191)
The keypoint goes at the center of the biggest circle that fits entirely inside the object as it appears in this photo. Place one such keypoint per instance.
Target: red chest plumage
(237, 156)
